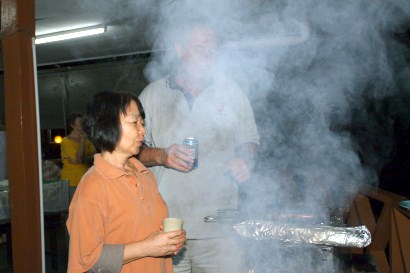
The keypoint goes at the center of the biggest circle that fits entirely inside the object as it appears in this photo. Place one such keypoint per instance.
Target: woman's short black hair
(101, 121)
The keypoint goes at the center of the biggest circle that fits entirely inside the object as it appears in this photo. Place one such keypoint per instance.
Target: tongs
(224, 216)
(232, 216)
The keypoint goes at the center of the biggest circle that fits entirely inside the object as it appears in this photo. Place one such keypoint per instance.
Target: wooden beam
(17, 30)
(400, 246)
(381, 235)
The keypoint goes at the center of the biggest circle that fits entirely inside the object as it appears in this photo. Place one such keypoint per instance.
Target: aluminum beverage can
(192, 144)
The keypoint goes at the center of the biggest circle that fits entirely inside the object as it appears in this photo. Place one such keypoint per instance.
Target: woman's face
(133, 131)
(77, 125)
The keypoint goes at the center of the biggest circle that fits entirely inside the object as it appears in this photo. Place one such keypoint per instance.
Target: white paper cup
(171, 224)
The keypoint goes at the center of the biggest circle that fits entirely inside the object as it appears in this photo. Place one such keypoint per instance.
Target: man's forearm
(249, 152)
(151, 156)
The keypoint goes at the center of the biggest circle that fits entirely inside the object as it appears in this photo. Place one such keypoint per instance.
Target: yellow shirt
(114, 207)
(71, 171)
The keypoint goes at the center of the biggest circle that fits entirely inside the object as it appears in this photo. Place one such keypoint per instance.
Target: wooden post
(17, 32)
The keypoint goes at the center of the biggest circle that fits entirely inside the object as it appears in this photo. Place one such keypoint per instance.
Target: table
(55, 203)
(55, 198)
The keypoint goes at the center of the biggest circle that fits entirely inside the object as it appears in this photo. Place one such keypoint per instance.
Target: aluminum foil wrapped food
(321, 235)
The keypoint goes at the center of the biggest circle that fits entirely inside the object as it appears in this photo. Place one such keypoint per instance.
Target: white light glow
(69, 35)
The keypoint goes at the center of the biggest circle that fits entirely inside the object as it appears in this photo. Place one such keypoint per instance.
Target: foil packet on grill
(320, 235)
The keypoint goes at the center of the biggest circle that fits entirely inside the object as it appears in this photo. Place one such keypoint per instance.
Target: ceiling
(129, 28)
(126, 21)
(130, 25)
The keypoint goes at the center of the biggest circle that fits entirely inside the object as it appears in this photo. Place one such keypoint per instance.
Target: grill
(294, 242)
(275, 257)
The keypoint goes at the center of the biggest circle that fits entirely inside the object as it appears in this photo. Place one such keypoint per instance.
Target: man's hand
(238, 169)
(177, 157)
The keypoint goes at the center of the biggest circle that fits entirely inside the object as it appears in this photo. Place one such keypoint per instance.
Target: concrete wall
(64, 90)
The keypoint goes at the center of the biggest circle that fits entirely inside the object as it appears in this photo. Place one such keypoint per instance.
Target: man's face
(197, 54)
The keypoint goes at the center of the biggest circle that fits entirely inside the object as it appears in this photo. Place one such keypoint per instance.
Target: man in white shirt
(193, 102)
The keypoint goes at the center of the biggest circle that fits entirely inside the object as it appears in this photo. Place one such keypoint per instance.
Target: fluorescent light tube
(70, 34)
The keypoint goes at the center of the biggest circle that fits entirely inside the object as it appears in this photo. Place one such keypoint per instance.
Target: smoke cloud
(305, 65)
(309, 67)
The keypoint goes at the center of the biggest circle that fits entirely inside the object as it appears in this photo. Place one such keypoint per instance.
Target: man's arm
(241, 167)
(175, 157)
(249, 152)
(151, 156)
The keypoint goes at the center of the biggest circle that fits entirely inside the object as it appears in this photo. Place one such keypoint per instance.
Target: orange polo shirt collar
(108, 171)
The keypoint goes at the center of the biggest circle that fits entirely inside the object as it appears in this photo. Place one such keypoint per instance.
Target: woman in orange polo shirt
(116, 213)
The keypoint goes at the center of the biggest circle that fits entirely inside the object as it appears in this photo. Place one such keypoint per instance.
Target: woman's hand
(83, 137)
(158, 244)
(165, 243)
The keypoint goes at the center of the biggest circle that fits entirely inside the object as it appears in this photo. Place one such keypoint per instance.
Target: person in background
(193, 102)
(116, 213)
(50, 170)
(75, 149)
